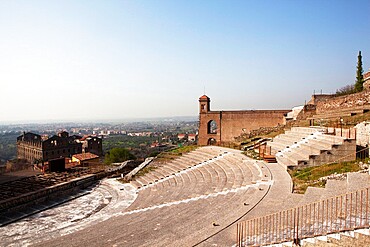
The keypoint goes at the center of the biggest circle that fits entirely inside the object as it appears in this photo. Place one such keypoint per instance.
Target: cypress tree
(359, 77)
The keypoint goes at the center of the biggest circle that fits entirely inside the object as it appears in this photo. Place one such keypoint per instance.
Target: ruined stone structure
(323, 108)
(217, 127)
(330, 106)
(92, 144)
(33, 147)
(367, 80)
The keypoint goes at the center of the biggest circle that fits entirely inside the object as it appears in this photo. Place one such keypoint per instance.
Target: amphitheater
(217, 196)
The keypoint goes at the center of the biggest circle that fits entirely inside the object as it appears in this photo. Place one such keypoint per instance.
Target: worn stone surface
(363, 134)
(183, 203)
(343, 102)
(359, 240)
(106, 199)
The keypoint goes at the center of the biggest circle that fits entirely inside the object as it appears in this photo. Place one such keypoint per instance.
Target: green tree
(359, 77)
(116, 155)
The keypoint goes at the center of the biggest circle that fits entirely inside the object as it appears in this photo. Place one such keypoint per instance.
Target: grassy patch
(353, 120)
(175, 153)
(273, 134)
(310, 176)
(145, 170)
(252, 154)
(348, 121)
(182, 150)
(165, 157)
(142, 172)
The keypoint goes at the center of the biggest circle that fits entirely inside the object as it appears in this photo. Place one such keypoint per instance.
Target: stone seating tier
(291, 137)
(336, 116)
(353, 182)
(221, 174)
(315, 148)
(190, 202)
(338, 113)
(288, 139)
(296, 158)
(308, 130)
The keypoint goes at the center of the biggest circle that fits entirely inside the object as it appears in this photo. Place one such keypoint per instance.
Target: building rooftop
(85, 156)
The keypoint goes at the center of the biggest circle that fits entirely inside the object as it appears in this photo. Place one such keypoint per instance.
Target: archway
(211, 142)
(212, 127)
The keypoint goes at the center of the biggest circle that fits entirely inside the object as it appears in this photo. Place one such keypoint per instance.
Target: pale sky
(75, 60)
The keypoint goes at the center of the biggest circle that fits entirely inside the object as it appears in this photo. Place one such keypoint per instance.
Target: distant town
(141, 138)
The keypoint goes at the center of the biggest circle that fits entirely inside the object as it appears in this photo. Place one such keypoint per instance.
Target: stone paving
(279, 197)
(100, 203)
(11, 176)
(194, 200)
(26, 184)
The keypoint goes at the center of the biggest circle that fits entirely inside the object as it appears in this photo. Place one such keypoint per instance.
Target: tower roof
(204, 97)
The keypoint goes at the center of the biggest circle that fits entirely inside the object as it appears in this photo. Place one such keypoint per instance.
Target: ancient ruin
(36, 149)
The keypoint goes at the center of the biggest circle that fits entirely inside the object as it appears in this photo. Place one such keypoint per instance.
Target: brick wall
(231, 124)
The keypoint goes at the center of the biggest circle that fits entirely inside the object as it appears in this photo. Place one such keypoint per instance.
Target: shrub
(349, 89)
(116, 155)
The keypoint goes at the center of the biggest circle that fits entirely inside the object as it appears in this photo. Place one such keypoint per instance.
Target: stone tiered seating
(310, 146)
(182, 202)
(291, 137)
(189, 177)
(338, 113)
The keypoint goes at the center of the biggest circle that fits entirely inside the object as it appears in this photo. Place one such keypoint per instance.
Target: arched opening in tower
(211, 141)
(212, 127)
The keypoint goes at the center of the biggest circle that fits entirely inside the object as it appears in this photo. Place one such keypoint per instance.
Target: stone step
(357, 181)
(335, 187)
(331, 115)
(285, 161)
(312, 194)
(357, 238)
(308, 129)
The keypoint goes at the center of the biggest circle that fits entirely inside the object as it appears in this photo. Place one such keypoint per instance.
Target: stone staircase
(311, 146)
(269, 158)
(360, 237)
(353, 181)
(357, 236)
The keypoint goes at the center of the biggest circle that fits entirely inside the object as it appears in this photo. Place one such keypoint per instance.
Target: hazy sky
(123, 59)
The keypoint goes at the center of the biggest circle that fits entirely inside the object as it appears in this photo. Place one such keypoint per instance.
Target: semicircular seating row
(201, 172)
(186, 196)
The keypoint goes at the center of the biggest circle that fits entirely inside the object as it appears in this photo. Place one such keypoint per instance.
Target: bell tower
(204, 104)
(209, 132)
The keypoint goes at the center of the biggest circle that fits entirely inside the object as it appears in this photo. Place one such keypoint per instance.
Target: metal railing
(335, 214)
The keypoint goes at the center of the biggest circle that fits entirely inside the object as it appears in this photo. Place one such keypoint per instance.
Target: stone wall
(367, 80)
(263, 131)
(231, 124)
(343, 102)
(363, 134)
(319, 97)
(294, 113)
(338, 153)
(308, 111)
(266, 130)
